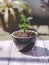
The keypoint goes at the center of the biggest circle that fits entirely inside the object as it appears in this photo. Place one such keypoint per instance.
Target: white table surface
(10, 55)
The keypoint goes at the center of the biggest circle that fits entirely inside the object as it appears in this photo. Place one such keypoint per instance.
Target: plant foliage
(24, 22)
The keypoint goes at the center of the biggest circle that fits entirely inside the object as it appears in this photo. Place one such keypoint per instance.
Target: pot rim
(36, 34)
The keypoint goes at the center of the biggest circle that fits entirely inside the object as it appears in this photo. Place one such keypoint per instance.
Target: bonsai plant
(10, 13)
(24, 24)
(24, 38)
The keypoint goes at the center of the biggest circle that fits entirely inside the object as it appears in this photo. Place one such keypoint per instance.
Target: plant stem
(24, 30)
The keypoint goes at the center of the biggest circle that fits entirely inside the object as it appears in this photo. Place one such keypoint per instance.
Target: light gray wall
(35, 5)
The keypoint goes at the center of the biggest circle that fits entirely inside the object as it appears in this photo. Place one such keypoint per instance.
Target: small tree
(24, 22)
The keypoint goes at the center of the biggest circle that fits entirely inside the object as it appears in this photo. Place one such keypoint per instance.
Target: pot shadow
(37, 52)
(32, 50)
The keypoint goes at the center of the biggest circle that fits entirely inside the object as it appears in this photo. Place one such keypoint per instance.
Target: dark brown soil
(24, 34)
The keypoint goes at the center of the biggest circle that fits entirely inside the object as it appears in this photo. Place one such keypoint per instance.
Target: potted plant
(24, 38)
(10, 14)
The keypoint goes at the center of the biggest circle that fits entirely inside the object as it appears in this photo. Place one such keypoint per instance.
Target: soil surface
(24, 34)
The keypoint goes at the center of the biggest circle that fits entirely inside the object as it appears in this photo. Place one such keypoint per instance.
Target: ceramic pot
(25, 43)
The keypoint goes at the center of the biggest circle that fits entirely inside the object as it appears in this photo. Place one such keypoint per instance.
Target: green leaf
(27, 25)
(24, 22)
(23, 18)
(20, 25)
(29, 19)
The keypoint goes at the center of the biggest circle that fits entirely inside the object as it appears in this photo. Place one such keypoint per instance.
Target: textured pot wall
(35, 5)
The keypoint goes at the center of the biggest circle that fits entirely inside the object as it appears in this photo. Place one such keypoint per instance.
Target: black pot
(24, 44)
